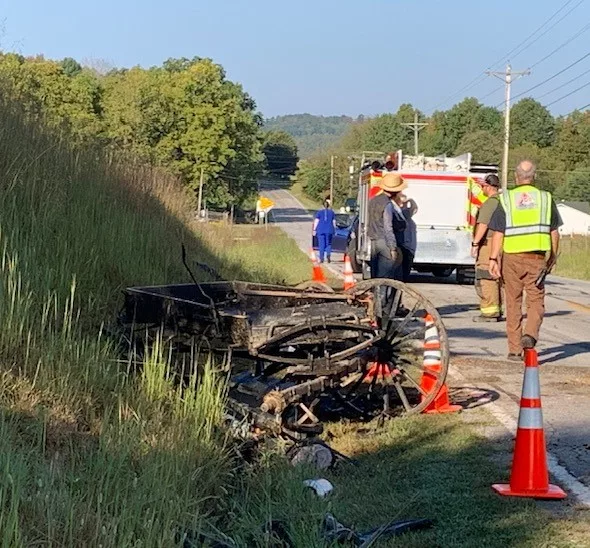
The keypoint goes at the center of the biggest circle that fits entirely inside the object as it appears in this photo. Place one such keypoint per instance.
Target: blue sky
(323, 56)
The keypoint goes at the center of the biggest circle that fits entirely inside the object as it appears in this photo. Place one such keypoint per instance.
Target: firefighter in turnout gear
(526, 232)
(488, 289)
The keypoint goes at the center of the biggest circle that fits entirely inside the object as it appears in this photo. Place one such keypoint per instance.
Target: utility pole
(416, 126)
(351, 175)
(507, 76)
(332, 158)
(200, 192)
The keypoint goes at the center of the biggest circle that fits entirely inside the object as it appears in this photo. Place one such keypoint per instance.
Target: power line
(491, 92)
(550, 78)
(563, 85)
(568, 94)
(548, 29)
(507, 56)
(480, 77)
(569, 40)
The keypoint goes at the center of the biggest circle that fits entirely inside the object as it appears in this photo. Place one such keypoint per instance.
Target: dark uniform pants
(407, 262)
(488, 290)
(519, 272)
(382, 265)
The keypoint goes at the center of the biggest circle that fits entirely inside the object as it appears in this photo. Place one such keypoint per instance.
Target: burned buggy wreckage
(295, 356)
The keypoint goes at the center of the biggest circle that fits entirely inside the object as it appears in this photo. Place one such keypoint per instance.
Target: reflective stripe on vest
(528, 219)
(475, 199)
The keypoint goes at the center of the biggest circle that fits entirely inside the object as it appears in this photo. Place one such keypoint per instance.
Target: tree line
(311, 133)
(560, 146)
(184, 115)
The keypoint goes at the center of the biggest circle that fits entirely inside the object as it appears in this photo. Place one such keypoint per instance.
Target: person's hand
(313, 233)
(551, 262)
(495, 269)
(394, 255)
(474, 251)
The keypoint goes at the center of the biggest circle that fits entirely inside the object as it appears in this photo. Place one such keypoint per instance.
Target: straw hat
(393, 182)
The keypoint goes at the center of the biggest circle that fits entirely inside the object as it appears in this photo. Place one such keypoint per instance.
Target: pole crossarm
(416, 126)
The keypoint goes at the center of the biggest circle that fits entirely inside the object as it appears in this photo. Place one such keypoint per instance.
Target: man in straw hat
(386, 228)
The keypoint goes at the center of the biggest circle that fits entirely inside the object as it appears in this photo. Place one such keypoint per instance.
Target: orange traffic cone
(348, 273)
(318, 273)
(529, 476)
(433, 367)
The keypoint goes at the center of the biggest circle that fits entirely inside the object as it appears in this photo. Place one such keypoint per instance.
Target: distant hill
(312, 133)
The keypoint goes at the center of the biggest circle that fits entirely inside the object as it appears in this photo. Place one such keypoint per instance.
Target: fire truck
(447, 194)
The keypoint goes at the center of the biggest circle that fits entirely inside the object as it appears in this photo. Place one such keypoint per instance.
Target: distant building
(575, 217)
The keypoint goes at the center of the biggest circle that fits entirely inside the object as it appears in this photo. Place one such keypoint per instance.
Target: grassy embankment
(574, 261)
(93, 456)
(88, 454)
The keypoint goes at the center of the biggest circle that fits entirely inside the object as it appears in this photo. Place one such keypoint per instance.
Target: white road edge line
(562, 474)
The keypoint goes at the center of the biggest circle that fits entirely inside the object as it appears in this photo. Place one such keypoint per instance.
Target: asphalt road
(478, 351)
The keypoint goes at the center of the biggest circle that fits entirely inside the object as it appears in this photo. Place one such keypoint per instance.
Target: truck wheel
(466, 276)
(442, 272)
(351, 252)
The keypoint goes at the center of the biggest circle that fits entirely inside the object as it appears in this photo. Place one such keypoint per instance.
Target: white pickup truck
(447, 194)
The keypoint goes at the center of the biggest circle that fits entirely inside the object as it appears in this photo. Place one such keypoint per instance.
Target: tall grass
(574, 260)
(89, 455)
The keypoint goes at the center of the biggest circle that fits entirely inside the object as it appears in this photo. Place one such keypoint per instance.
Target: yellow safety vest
(475, 199)
(528, 219)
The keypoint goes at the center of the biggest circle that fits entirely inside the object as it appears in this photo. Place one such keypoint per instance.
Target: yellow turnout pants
(488, 290)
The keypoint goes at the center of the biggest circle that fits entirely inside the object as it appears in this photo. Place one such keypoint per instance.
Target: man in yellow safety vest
(526, 232)
(488, 288)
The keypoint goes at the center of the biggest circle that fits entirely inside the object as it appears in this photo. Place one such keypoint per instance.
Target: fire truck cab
(447, 194)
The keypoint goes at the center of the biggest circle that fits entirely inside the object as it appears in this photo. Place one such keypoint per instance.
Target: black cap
(492, 180)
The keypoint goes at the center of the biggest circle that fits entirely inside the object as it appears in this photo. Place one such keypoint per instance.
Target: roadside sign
(265, 204)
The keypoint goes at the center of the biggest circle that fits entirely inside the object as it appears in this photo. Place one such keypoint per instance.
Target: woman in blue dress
(324, 227)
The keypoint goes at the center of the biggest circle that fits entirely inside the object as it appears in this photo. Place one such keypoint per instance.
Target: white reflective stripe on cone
(431, 333)
(531, 385)
(432, 355)
(530, 418)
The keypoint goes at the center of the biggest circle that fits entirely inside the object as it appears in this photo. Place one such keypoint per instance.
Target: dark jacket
(376, 208)
(384, 223)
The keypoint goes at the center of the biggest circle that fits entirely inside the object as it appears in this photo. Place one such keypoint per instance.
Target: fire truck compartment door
(441, 204)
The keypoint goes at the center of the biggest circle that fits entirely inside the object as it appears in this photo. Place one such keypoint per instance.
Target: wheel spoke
(430, 372)
(356, 384)
(411, 380)
(402, 395)
(393, 328)
(420, 331)
(393, 311)
(402, 344)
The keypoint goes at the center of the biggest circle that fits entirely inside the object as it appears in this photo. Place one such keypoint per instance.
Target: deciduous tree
(280, 152)
(531, 122)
